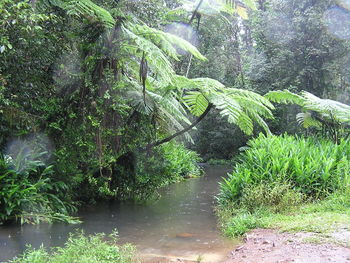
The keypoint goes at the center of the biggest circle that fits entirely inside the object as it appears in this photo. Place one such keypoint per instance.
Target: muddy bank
(270, 246)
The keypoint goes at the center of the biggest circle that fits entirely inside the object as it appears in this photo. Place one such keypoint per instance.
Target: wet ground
(270, 246)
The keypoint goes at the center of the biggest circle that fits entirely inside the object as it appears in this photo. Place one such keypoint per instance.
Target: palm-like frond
(216, 6)
(157, 47)
(326, 110)
(82, 8)
(306, 120)
(326, 107)
(285, 97)
(196, 102)
(240, 107)
(166, 41)
(168, 111)
(157, 60)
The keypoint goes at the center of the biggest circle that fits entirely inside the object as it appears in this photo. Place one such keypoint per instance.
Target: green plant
(314, 167)
(275, 197)
(237, 222)
(179, 161)
(81, 248)
(169, 163)
(31, 196)
(330, 117)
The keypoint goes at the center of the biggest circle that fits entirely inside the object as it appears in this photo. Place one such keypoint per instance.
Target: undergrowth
(81, 249)
(289, 183)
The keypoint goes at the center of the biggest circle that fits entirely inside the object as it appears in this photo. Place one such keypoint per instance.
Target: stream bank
(181, 224)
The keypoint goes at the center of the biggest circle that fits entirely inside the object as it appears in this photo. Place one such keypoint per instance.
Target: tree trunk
(157, 143)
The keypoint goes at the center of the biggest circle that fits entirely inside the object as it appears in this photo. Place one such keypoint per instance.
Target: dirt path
(270, 246)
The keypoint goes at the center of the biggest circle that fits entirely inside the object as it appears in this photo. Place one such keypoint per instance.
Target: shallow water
(157, 229)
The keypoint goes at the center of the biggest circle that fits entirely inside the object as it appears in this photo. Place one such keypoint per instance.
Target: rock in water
(185, 235)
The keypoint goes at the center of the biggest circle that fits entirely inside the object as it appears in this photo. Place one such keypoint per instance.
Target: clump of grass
(277, 197)
(81, 249)
(321, 217)
(235, 222)
(290, 183)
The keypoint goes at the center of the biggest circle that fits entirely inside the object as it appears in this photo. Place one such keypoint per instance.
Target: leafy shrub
(30, 196)
(276, 197)
(237, 221)
(80, 248)
(179, 161)
(137, 176)
(312, 166)
(170, 163)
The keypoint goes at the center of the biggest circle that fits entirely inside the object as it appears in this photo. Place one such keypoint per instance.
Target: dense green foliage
(100, 80)
(102, 100)
(80, 248)
(280, 175)
(294, 45)
(320, 116)
(31, 199)
(314, 167)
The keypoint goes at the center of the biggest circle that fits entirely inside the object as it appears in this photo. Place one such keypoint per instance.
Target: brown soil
(270, 246)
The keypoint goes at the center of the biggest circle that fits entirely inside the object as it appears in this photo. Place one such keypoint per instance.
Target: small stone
(239, 248)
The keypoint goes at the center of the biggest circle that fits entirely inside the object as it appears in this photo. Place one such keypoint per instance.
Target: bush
(276, 197)
(30, 196)
(81, 249)
(311, 166)
(137, 176)
(169, 163)
(241, 223)
(180, 162)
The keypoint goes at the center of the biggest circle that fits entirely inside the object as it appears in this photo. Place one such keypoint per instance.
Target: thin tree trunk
(157, 143)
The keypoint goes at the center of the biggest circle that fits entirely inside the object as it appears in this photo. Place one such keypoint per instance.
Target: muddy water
(179, 225)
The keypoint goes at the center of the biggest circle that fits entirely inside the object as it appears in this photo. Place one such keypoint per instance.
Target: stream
(180, 225)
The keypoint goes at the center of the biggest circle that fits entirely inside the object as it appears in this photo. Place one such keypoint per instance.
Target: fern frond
(157, 61)
(166, 41)
(195, 102)
(83, 8)
(251, 96)
(306, 120)
(327, 107)
(260, 121)
(245, 123)
(228, 107)
(329, 111)
(285, 97)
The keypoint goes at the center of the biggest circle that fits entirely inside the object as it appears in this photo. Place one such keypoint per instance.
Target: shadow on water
(181, 224)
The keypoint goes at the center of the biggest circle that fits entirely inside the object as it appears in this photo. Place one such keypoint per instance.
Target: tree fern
(196, 102)
(240, 107)
(225, 6)
(285, 97)
(82, 8)
(332, 116)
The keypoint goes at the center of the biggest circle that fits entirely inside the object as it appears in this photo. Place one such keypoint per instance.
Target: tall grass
(314, 167)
